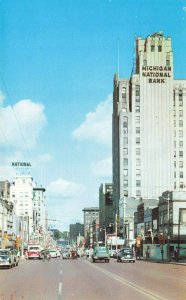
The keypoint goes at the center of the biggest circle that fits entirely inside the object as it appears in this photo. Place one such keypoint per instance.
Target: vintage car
(100, 253)
(126, 254)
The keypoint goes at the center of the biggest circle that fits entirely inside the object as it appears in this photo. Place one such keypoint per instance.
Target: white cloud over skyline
(21, 124)
(97, 125)
(62, 189)
(102, 168)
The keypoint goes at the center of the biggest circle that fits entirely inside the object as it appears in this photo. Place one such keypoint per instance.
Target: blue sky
(57, 63)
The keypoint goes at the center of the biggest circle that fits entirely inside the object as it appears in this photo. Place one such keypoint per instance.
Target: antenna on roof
(118, 56)
(134, 57)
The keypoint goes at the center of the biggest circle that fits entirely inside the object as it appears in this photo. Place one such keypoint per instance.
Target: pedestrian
(138, 253)
(26, 254)
(176, 254)
(148, 253)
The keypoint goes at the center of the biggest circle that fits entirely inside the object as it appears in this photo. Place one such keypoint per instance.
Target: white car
(53, 253)
(6, 259)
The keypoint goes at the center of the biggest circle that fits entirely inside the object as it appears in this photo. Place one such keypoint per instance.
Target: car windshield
(34, 248)
(3, 256)
(101, 249)
(4, 253)
(126, 251)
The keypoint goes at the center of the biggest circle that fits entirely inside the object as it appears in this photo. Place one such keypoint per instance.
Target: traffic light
(18, 243)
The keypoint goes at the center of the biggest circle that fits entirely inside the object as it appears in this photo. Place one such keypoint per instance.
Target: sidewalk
(181, 262)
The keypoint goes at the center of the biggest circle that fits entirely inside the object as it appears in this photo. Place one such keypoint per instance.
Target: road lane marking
(60, 288)
(126, 282)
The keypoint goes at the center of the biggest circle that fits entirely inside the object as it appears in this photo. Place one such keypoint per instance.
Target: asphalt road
(83, 280)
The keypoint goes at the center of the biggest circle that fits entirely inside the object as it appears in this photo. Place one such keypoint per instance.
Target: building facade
(149, 131)
(75, 231)
(106, 215)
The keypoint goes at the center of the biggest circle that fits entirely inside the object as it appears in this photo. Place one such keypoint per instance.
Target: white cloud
(62, 189)
(97, 125)
(2, 97)
(102, 168)
(45, 157)
(7, 173)
(22, 124)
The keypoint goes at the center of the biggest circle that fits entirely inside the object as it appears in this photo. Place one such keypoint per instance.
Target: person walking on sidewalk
(147, 253)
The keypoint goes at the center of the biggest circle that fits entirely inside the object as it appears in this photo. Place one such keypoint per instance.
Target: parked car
(126, 254)
(6, 258)
(100, 253)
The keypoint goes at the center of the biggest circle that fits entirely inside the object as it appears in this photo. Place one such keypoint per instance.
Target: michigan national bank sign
(21, 164)
(156, 74)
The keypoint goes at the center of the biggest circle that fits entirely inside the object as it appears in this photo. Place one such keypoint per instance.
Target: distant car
(6, 258)
(45, 254)
(126, 254)
(100, 253)
(53, 253)
(113, 253)
(66, 255)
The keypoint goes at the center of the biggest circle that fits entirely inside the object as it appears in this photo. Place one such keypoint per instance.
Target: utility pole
(168, 229)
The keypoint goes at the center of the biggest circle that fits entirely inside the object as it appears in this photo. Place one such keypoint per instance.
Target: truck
(34, 250)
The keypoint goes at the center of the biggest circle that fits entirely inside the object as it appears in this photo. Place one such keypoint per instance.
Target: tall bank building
(149, 124)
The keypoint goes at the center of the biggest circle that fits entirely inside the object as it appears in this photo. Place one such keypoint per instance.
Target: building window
(125, 183)
(180, 123)
(174, 185)
(174, 123)
(138, 162)
(125, 151)
(167, 63)
(138, 193)
(125, 161)
(152, 48)
(174, 174)
(181, 174)
(125, 122)
(180, 133)
(125, 140)
(180, 113)
(137, 90)
(137, 108)
(125, 193)
(182, 213)
(145, 62)
(181, 185)
(159, 48)
(125, 172)
(138, 172)
(181, 144)
(137, 119)
(137, 140)
(180, 164)
(180, 153)
(137, 151)
(137, 129)
(138, 183)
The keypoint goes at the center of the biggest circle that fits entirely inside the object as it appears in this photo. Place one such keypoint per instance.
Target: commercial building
(149, 128)
(106, 215)
(75, 231)
(91, 224)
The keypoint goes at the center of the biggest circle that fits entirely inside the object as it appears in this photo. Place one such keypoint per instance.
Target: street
(81, 279)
